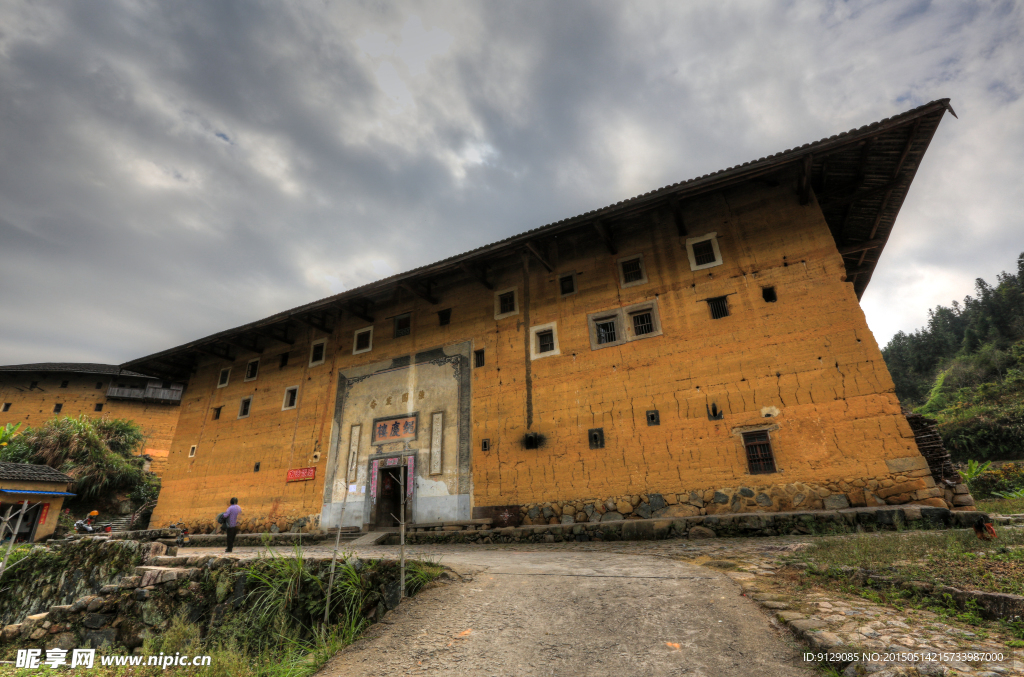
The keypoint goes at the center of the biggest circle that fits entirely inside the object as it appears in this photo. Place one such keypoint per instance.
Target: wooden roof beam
(225, 355)
(362, 313)
(477, 274)
(252, 348)
(606, 236)
(315, 324)
(540, 257)
(414, 289)
(804, 185)
(281, 337)
(855, 247)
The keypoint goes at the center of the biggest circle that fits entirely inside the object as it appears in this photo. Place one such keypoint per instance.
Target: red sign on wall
(43, 512)
(301, 474)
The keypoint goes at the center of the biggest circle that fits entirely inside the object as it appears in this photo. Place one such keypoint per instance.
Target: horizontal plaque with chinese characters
(301, 474)
(394, 429)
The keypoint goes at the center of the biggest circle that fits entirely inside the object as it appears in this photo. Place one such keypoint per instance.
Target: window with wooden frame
(363, 341)
(252, 368)
(317, 352)
(621, 325)
(216, 412)
(64, 384)
(719, 307)
(225, 376)
(33, 385)
(98, 407)
(544, 341)
(506, 303)
(632, 271)
(703, 251)
(243, 407)
(403, 325)
(57, 407)
(291, 397)
(567, 284)
(760, 459)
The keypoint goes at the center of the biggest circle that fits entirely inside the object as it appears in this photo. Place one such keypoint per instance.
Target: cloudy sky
(168, 170)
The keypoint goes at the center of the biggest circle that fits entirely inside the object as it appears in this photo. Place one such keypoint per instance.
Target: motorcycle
(183, 537)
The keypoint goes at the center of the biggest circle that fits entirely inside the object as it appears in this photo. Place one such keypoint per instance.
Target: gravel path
(573, 613)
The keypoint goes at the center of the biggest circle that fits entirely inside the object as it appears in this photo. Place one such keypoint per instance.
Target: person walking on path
(232, 522)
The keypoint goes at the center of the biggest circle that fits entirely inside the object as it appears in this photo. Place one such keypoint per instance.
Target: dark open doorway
(27, 531)
(389, 499)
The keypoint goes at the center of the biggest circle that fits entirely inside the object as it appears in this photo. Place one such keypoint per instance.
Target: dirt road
(573, 613)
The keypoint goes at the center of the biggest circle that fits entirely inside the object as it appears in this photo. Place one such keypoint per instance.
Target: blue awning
(34, 493)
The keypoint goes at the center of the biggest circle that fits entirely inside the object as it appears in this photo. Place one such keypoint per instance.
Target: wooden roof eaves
(678, 191)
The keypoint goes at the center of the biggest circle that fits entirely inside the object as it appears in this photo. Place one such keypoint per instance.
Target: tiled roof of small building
(73, 368)
(28, 472)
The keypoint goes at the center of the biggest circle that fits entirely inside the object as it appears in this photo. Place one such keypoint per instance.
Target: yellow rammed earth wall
(34, 407)
(806, 367)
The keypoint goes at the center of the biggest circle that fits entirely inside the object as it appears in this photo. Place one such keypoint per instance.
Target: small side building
(43, 488)
(32, 394)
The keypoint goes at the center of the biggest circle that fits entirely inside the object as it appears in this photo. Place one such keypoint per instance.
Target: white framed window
(362, 341)
(291, 398)
(567, 284)
(703, 251)
(192, 451)
(632, 271)
(621, 325)
(252, 368)
(317, 352)
(544, 341)
(506, 303)
(243, 407)
(225, 376)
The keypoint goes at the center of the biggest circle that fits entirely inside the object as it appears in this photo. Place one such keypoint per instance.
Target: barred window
(478, 358)
(545, 341)
(642, 324)
(606, 330)
(759, 452)
(363, 341)
(632, 271)
(704, 253)
(403, 325)
(719, 307)
(507, 302)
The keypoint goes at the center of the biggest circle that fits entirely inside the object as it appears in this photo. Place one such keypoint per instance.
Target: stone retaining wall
(706, 526)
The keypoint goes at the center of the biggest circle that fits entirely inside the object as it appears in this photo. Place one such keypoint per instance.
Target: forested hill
(966, 368)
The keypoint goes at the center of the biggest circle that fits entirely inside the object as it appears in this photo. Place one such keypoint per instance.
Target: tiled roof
(73, 368)
(27, 472)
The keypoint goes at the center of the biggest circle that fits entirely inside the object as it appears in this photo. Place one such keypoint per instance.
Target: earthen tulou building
(32, 394)
(695, 350)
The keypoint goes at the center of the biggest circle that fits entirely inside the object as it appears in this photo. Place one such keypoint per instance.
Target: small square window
(545, 341)
(485, 445)
(507, 302)
(99, 386)
(632, 271)
(403, 325)
(7, 406)
(606, 330)
(63, 384)
(291, 396)
(216, 412)
(531, 441)
(251, 369)
(98, 407)
(444, 316)
(596, 438)
(567, 284)
(642, 323)
(719, 307)
(768, 294)
(478, 358)
(283, 361)
(57, 407)
(363, 341)
(760, 459)
(243, 408)
(703, 253)
(317, 352)
(192, 451)
(225, 374)
(653, 417)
